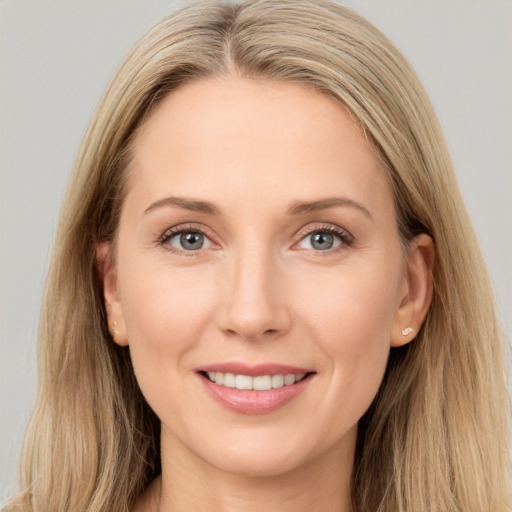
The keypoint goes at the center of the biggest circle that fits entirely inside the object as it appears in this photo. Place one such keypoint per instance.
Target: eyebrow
(301, 207)
(296, 208)
(185, 203)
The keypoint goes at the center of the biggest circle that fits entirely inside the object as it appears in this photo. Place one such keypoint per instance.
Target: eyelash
(346, 239)
(178, 230)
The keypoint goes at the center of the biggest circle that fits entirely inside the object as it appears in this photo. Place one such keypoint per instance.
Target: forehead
(256, 140)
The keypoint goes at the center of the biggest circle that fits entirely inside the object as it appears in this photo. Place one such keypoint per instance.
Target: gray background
(57, 56)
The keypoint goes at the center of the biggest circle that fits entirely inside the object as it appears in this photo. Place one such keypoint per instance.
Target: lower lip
(248, 401)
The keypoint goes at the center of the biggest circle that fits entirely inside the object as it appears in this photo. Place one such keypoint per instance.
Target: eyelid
(346, 238)
(173, 231)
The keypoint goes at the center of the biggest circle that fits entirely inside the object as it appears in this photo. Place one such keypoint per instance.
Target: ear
(113, 305)
(416, 293)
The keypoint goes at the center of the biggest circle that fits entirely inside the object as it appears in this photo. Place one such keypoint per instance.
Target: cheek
(351, 317)
(355, 336)
(352, 308)
(165, 311)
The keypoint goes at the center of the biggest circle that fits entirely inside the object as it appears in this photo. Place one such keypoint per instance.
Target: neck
(188, 483)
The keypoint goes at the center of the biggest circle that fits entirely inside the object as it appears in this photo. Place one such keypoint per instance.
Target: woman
(265, 291)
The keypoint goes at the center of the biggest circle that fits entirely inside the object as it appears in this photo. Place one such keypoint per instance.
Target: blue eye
(188, 241)
(319, 241)
(325, 239)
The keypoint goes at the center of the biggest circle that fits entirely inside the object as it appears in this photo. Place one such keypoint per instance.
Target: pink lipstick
(254, 389)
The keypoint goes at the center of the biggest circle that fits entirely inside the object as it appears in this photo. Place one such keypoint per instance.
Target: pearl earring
(113, 330)
(407, 331)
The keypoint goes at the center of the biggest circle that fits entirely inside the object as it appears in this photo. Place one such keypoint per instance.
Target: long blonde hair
(436, 436)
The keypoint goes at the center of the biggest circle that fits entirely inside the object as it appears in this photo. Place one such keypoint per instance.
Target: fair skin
(259, 230)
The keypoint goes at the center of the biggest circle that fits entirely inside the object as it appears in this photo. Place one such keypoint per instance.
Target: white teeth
(259, 383)
(277, 381)
(229, 380)
(289, 379)
(262, 383)
(243, 382)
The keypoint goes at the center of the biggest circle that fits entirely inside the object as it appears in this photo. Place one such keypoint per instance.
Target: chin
(264, 458)
(271, 465)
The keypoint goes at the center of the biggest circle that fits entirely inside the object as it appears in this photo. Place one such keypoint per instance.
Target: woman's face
(258, 242)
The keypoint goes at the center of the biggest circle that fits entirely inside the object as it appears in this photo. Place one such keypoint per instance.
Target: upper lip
(239, 368)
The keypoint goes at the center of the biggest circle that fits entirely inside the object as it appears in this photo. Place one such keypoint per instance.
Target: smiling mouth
(256, 383)
(254, 389)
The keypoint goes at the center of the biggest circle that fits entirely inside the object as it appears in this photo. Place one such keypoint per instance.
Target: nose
(255, 305)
